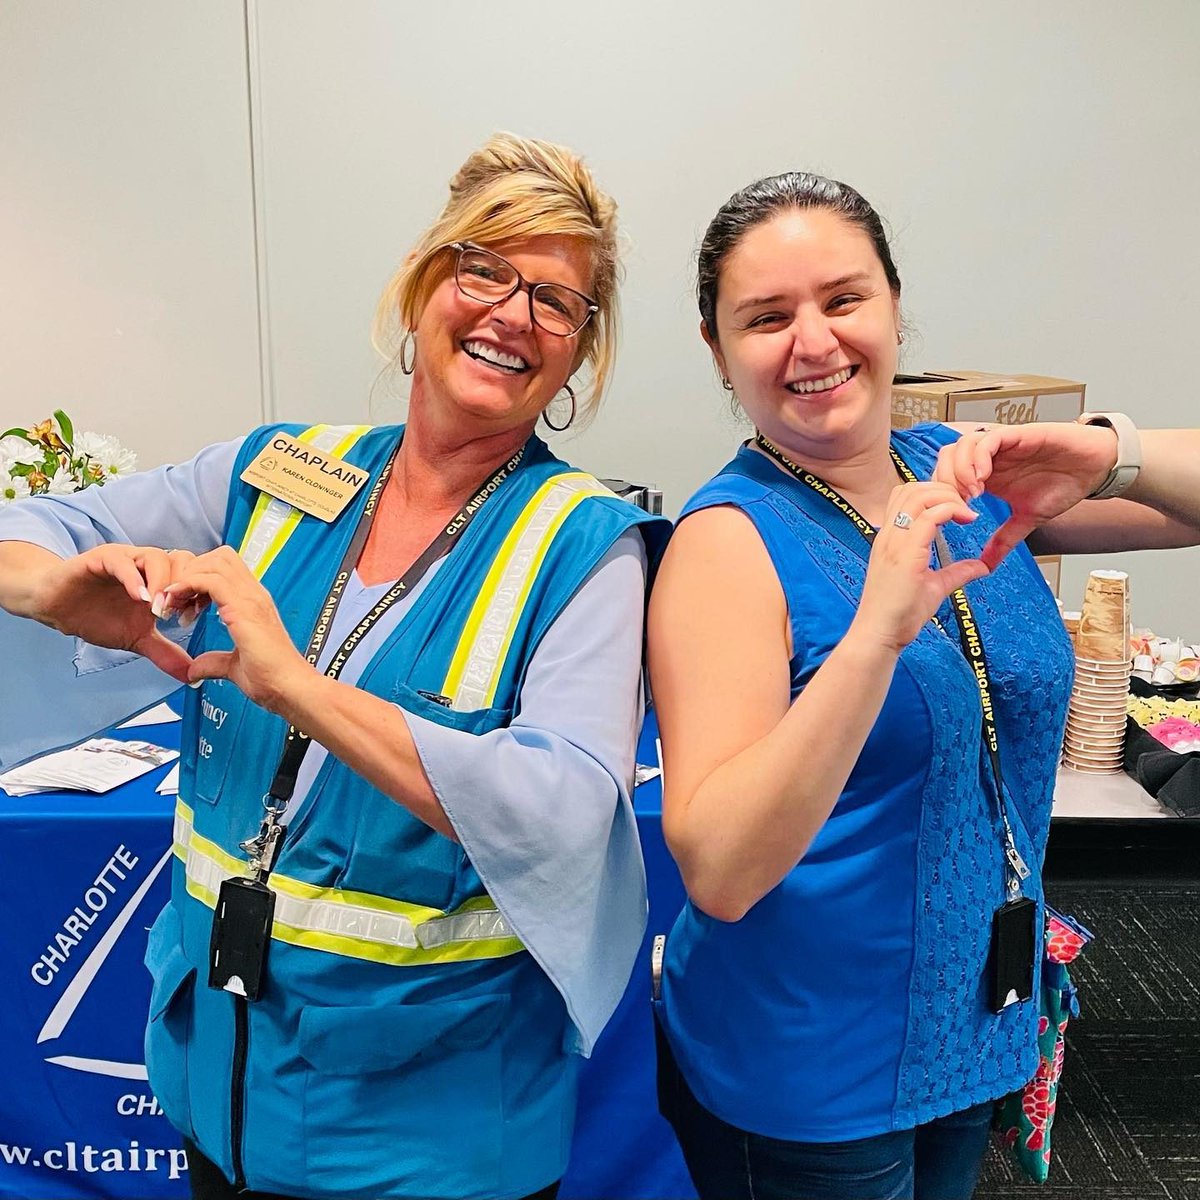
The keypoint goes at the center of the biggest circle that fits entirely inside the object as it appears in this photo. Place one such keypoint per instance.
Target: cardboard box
(986, 398)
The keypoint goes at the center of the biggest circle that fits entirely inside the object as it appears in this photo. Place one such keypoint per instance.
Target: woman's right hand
(112, 596)
(902, 591)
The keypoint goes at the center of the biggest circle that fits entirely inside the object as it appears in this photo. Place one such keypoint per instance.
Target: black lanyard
(970, 638)
(264, 848)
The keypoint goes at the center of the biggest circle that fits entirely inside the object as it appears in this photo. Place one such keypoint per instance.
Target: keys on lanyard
(263, 848)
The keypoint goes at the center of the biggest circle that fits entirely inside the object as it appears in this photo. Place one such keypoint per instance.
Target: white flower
(63, 483)
(95, 445)
(15, 449)
(12, 487)
(123, 462)
(106, 452)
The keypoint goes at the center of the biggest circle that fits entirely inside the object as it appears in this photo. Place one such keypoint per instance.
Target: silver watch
(1129, 453)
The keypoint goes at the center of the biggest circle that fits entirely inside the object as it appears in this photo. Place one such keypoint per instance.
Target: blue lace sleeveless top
(851, 999)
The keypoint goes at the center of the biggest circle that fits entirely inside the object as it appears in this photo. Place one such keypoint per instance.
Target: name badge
(304, 477)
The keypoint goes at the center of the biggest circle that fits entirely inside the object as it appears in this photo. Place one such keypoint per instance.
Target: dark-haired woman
(859, 855)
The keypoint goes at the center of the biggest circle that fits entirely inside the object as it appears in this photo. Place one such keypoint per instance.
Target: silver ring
(902, 520)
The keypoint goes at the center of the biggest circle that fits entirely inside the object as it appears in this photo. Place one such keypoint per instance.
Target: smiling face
(487, 369)
(807, 333)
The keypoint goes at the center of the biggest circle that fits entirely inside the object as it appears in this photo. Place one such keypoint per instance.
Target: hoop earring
(561, 428)
(406, 367)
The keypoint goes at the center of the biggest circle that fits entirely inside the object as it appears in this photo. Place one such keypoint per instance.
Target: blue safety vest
(406, 1045)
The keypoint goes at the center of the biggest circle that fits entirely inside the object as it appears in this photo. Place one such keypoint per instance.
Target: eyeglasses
(484, 276)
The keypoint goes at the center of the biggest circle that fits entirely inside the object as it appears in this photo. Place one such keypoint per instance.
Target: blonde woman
(408, 890)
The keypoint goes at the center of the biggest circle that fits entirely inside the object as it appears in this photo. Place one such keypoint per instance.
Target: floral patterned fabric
(1026, 1116)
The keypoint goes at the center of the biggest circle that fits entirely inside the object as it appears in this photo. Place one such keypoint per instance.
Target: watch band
(1129, 453)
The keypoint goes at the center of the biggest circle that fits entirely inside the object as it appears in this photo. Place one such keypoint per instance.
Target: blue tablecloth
(84, 878)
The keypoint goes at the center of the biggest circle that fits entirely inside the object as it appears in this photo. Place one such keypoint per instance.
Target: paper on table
(97, 765)
(169, 784)
(160, 714)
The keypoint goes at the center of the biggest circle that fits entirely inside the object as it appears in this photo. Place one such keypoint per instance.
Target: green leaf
(21, 469)
(20, 432)
(64, 423)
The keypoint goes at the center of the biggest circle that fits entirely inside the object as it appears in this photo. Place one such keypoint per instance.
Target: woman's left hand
(264, 664)
(1040, 470)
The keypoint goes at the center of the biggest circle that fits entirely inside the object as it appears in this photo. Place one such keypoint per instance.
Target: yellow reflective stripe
(181, 830)
(207, 866)
(355, 924)
(261, 508)
(556, 523)
(352, 436)
(271, 553)
(478, 659)
(396, 956)
(274, 521)
(308, 891)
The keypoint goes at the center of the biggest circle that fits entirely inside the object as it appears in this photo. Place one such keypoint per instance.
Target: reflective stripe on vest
(353, 924)
(475, 669)
(274, 521)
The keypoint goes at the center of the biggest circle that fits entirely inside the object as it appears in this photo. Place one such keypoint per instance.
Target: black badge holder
(241, 933)
(1012, 952)
(241, 928)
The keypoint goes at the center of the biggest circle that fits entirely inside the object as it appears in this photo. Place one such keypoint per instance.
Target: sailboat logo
(62, 1012)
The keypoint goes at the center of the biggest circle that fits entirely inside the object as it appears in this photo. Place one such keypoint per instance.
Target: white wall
(127, 276)
(1040, 167)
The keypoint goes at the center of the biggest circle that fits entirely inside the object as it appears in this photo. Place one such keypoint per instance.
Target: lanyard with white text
(969, 635)
(264, 848)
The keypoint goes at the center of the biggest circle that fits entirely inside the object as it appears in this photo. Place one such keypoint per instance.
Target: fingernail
(159, 604)
(145, 595)
(198, 683)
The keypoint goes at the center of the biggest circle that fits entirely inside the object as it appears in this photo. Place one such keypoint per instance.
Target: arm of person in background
(1045, 471)
(578, 700)
(749, 777)
(92, 564)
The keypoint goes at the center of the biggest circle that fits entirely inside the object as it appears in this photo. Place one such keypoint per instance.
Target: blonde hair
(510, 188)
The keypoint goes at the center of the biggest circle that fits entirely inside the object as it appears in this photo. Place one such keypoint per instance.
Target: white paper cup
(1083, 725)
(1091, 753)
(1100, 684)
(1101, 693)
(1115, 670)
(1110, 702)
(1085, 769)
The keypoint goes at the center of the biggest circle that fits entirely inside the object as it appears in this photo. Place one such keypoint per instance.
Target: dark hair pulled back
(762, 200)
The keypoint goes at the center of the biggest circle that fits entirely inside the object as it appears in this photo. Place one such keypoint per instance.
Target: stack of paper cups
(1071, 621)
(1095, 734)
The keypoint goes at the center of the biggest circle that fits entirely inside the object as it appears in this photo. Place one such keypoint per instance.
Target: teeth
(822, 385)
(490, 354)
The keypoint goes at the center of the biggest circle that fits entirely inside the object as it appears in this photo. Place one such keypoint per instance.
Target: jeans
(936, 1161)
(208, 1183)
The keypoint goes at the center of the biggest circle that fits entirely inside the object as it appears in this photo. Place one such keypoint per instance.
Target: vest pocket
(384, 1087)
(167, 1033)
(221, 709)
(421, 704)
